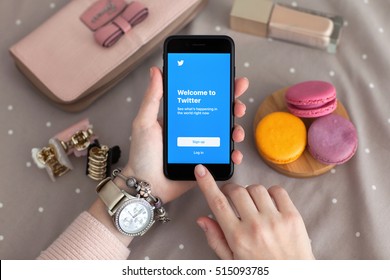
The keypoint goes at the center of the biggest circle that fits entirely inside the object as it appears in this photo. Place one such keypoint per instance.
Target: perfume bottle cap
(251, 16)
(265, 18)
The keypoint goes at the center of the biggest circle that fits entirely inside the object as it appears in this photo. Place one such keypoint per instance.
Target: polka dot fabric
(345, 210)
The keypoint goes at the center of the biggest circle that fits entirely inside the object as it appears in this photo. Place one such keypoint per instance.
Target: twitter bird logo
(180, 62)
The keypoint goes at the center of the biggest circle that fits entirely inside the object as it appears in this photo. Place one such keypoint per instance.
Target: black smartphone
(198, 105)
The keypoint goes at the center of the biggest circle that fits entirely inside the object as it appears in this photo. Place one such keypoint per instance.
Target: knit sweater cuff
(86, 239)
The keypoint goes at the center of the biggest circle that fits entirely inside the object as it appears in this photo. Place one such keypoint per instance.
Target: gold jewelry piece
(79, 141)
(100, 160)
(97, 162)
(48, 157)
(53, 158)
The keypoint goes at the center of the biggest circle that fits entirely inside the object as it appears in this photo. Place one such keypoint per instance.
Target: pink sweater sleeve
(86, 239)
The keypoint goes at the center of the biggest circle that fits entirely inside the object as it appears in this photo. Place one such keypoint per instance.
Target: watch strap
(109, 193)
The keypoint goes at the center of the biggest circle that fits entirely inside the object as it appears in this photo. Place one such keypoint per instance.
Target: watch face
(134, 217)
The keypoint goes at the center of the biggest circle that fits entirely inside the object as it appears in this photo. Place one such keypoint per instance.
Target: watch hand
(130, 214)
(139, 212)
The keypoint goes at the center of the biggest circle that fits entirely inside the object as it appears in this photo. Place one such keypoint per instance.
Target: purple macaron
(332, 139)
(311, 99)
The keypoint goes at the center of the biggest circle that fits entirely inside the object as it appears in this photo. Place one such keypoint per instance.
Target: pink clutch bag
(88, 46)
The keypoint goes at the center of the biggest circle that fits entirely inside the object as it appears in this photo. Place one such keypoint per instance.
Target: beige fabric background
(347, 210)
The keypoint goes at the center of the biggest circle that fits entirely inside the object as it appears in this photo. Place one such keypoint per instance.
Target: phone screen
(198, 109)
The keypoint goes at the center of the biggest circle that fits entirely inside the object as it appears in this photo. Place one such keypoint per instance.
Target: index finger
(216, 200)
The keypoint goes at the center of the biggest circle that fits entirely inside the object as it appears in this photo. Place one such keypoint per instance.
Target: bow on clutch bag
(109, 34)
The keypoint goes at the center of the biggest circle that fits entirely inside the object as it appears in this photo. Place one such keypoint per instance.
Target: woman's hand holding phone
(146, 147)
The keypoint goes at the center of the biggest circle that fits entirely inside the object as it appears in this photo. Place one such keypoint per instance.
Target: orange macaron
(280, 137)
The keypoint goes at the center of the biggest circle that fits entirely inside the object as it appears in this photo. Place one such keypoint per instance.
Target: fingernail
(151, 72)
(240, 158)
(202, 226)
(200, 170)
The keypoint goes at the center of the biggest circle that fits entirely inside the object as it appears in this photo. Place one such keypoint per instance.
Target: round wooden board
(305, 165)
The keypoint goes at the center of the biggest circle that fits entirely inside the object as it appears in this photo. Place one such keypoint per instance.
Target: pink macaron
(311, 99)
(332, 139)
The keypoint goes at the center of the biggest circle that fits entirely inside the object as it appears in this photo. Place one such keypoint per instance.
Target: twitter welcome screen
(198, 108)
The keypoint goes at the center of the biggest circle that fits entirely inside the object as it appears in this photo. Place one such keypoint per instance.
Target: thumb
(148, 112)
(215, 238)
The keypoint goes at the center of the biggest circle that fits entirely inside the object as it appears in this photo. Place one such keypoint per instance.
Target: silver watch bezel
(130, 201)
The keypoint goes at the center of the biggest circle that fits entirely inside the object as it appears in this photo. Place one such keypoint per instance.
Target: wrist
(141, 189)
(126, 205)
(128, 171)
(99, 211)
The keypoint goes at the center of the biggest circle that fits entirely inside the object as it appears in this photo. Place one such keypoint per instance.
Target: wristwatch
(132, 215)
